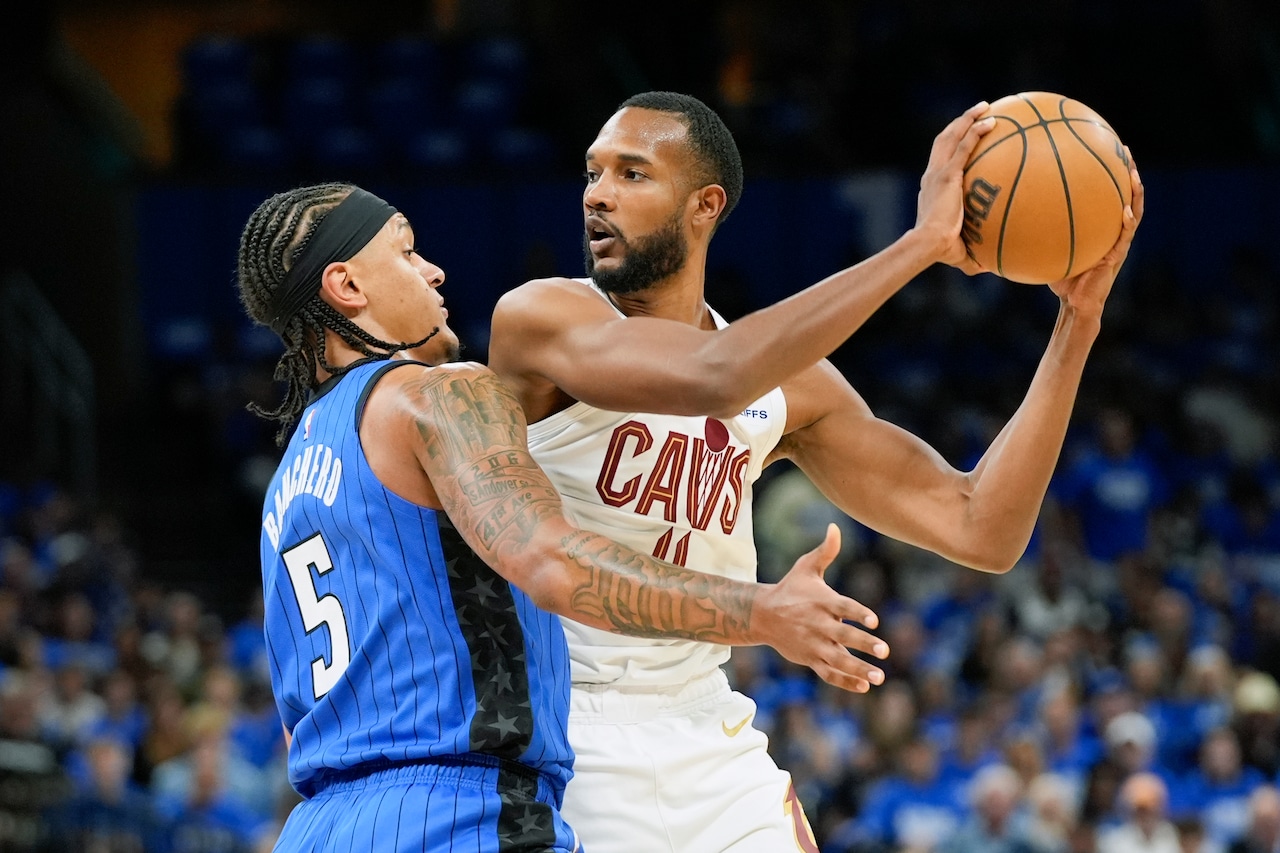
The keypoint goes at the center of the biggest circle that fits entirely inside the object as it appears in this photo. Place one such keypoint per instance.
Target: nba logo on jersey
(306, 425)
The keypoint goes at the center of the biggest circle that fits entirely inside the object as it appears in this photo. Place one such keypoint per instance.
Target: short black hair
(710, 141)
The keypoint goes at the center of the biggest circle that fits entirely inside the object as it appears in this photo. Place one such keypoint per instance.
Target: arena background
(139, 135)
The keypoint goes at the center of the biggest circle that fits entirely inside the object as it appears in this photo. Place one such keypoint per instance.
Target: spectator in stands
(1131, 742)
(1217, 791)
(1262, 830)
(1070, 750)
(247, 644)
(74, 637)
(911, 808)
(1146, 827)
(993, 826)
(166, 736)
(1052, 603)
(1256, 719)
(971, 749)
(1111, 490)
(71, 709)
(1053, 813)
(228, 775)
(207, 818)
(108, 814)
(123, 718)
(174, 646)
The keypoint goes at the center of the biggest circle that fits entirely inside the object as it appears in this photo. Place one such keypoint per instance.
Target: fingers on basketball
(1045, 189)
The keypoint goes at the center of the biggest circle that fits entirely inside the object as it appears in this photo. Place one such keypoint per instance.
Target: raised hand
(808, 622)
(940, 203)
(1087, 292)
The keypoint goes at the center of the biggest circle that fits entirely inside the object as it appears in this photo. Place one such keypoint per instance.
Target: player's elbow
(543, 580)
(991, 554)
(998, 563)
(542, 570)
(716, 389)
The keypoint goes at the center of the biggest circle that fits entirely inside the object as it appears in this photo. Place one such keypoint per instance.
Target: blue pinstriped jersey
(389, 639)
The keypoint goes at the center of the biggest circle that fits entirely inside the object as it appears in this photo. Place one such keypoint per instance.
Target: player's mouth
(600, 235)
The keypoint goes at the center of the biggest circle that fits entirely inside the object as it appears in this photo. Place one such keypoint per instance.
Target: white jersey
(676, 487)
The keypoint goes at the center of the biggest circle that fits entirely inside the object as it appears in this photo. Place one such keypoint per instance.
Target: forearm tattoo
(496, 494)
(643, 596)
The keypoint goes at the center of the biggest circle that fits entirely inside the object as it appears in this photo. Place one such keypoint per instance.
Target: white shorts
(677, 769)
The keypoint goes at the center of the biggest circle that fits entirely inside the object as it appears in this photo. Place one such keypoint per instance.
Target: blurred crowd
(1116, 691)
(132, 716)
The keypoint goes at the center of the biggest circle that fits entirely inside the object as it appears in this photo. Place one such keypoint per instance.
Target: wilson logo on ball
(977, 207)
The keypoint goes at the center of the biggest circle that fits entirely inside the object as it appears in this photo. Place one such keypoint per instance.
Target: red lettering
(613, 496)
(664, 544)
(681, 557)
(664, 481)
(729, 516)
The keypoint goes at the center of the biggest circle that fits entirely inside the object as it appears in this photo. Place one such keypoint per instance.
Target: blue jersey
(390, 642)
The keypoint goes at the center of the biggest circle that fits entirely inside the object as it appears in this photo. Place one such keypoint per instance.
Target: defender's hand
(808, 622)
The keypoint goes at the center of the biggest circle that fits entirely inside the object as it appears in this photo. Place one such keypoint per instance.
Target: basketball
(1045, 190)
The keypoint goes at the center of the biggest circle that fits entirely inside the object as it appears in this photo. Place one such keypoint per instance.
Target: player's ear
(709, 205)
(339, 288)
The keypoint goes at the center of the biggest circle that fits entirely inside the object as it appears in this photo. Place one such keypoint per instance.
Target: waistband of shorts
(636, 703)
(474, 770)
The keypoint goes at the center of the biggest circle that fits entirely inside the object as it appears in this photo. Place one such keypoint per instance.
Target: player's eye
(589, 176)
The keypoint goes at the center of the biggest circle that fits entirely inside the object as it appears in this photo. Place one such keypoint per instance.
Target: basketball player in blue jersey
(652, 416)
(413, 553)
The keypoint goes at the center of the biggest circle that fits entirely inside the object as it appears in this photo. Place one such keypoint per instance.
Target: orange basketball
(1045, 190)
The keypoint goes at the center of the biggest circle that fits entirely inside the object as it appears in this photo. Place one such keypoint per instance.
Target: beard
(648, 260)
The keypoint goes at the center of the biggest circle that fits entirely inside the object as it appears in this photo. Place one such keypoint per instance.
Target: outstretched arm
(470, 439)
(556, 333)
(898, 485)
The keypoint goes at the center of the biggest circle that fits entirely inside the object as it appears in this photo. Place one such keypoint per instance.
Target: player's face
(405, 287)
(635, 202)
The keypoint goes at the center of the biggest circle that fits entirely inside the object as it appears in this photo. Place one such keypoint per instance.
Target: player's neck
(337, 352)
(679, 298)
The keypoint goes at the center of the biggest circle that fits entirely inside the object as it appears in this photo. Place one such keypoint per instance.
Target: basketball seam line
(1066, 187)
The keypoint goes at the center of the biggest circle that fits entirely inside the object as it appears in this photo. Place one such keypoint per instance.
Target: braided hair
(273, 240)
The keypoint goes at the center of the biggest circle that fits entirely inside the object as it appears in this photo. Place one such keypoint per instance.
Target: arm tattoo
(474, 434)
(642, 596)
(472, 428)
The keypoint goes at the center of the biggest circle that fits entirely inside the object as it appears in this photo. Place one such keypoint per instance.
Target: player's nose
(597, 196)
(433, 274)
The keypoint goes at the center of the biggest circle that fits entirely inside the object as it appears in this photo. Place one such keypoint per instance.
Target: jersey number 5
(319, 610)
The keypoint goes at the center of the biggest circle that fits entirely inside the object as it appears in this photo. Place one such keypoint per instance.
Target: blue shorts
(458, 807)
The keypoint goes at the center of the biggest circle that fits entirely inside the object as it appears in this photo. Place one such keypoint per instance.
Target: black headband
(345, 230)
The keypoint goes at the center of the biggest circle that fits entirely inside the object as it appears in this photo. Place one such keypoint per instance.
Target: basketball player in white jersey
(653, 418)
